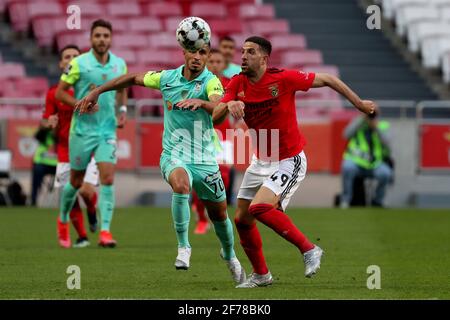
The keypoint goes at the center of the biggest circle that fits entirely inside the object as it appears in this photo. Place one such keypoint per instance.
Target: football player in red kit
(265, 98)
(59, 116)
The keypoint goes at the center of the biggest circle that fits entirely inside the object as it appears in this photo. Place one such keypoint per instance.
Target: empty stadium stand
(366, 59)
(425, 26)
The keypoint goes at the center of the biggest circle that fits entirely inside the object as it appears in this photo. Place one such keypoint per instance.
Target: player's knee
(243, 218)
(85, 193)
(107, 180)
(180, 186)
(76, 182)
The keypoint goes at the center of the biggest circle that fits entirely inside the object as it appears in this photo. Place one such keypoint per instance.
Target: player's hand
(122, 121)
(192, 104)
(88, 104)
(368, 107)
(53, 121)
(236, 108)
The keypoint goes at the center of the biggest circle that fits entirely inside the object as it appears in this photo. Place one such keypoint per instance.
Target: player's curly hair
(101, 23)
(263, 43)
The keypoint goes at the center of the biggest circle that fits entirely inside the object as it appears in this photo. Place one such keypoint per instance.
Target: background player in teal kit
(188, 160)
(93, 134)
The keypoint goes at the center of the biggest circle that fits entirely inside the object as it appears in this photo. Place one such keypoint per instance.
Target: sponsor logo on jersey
(169, 105)
(241, 94)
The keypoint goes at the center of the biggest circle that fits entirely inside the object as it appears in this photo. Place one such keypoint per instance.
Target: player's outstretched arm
(63, 96)
(327, 80)
(220, 113)
(90, 101)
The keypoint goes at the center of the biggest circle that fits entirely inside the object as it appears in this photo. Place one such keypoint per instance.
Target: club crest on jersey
(274, 90)
(114, 70)
(104, 77)
(198, 87)
(241, 94)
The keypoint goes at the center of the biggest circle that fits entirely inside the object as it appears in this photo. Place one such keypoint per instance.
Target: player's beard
(101, 50)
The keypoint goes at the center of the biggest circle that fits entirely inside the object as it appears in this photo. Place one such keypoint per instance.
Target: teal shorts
(204, 178)
(82, 148)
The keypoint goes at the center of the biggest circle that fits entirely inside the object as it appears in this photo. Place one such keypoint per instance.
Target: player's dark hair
(215, 50)
(226, 38)
(101, 23)
(264, 44)
(69, 46)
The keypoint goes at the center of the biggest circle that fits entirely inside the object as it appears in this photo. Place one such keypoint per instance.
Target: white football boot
(257, 280)
(183, 257)
(312, 261)
(236, 269)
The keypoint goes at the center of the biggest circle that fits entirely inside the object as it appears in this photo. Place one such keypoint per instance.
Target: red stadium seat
(33, 87)
(123, 9)
(18, 12)
(299, 59)
(91, 9)
(12, 70)
(139, 92)
(165, 9)
(145, 24)
(78, 38)
(154, 57)
(130, 40)
(268, 27)
(44, 8)
(253, 11)
(171, 24)
(225, 26)
(119, 24)
(282, 42)
(208, 10)
(6, 85)
(163, 40)
(46, 28)
(127, 54)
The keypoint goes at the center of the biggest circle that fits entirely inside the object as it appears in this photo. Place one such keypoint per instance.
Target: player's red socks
(252, 244)
(199, 207)
(76, 216)
(91, 204)
(281, 224)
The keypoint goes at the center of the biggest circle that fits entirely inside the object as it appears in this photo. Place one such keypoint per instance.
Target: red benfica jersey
(226, 124)
(270, 105)
(64, 112)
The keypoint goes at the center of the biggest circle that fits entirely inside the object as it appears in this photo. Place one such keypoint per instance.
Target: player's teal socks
(224, 231)
(181, 216)
(106, 206)
(68, 196)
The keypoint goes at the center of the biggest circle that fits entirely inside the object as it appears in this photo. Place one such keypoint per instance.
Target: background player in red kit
(216, 64)
(265, 98)
(59, 116)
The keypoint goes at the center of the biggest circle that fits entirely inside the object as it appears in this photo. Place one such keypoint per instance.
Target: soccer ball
(193, 33)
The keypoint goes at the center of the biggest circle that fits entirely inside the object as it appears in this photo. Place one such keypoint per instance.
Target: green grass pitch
(410, 246)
